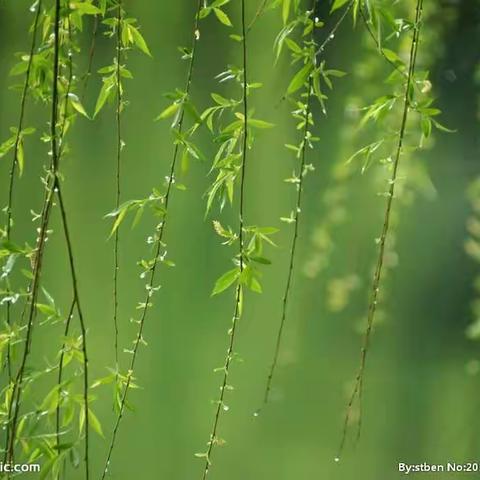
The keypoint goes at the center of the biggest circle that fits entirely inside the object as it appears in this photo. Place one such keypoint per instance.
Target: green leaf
(46, 309)
(169, 111)
(262, 260)
(426, 126)
(220, 100)
(338, 4)
(104, 95)
(259, 123)
(293, 46)
(254, 285)
(391, 55)
(77, 105)
(286, 10)
(85, 8)
(118, 220)
(441, 127)
(95, 423)
(20, 157)
(225, 281)
(6, 146)
(223, 17)
(104, 381)
(139, 40)
(299, 79)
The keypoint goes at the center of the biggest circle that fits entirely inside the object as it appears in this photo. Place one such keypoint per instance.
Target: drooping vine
(241, 265)
(87, 414)
(119, 94)
(17, 163)
(18, 386)
(408, 103)
(230, 164)
(159, 203)
(59, 49)
(310, 77)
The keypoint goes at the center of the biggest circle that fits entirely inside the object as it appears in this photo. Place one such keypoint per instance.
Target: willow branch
(118, 176)
(333, 31)
(371, 33)
(83, 329)
(330, 36)
(75, 301)
(60, 374)
(91, 55)
(11, 186)
(293, 247)
(260, 11)
(358, 387)
(15, 402)
(238, 292)
(157, 250)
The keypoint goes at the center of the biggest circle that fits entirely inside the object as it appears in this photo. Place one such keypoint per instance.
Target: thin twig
(118, 176)
(238, 293)
(11, 186)
(358, 387)
(158, 246)
(371, 33)
(91, 55)
(368, 26)
(260, 11)
(60, 373)
(333, 31)
(83, 328)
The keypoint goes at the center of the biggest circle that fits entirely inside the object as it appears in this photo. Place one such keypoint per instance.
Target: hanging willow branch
(15, 158)
(76, 300)
(408, 98)
(157, 249)
(17, 389)
(83, 329)
(58, 418)
(241, 243)
(91, 54)
(72, 306)
(300, 176)
(313, 55)
(118, 176)
(260, 11)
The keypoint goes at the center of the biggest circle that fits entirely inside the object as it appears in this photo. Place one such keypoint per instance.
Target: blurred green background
(420, 402)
